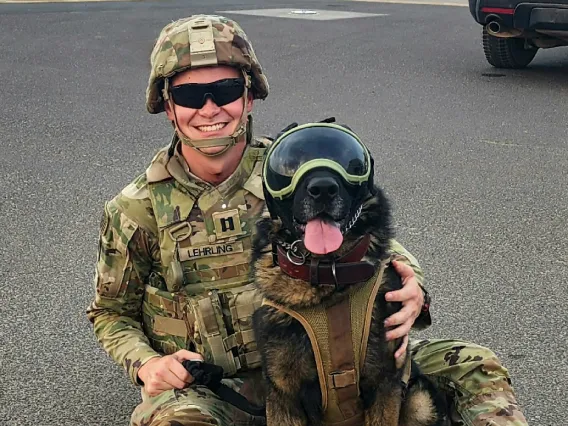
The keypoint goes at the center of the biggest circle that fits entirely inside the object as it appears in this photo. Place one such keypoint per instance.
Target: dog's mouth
(322, 234)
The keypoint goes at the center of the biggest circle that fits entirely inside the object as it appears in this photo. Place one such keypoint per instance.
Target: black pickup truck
(513, 30)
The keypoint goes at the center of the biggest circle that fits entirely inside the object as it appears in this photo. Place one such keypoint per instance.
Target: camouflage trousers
(198, 406)
(477, 386)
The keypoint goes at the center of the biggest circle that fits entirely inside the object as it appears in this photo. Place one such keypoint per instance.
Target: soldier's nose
(209, 108)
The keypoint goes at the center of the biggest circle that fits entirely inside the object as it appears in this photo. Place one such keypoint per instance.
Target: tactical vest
(339, 336)
(205, 236)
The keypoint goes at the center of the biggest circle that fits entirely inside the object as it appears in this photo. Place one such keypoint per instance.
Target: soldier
(172, 279)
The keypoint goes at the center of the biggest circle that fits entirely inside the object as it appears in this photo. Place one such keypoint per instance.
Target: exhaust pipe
(494, 28)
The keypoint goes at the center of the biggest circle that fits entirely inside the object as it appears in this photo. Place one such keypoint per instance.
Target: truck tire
(506, 52)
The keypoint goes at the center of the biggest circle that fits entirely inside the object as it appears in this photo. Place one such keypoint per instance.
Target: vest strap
(209, 319)
(176, 327)
(250, 359)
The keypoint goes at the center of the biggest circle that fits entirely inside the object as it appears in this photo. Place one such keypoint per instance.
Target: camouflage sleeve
(424, 320)
(125, 258)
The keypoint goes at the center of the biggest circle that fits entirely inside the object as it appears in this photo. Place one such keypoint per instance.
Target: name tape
(210, 251)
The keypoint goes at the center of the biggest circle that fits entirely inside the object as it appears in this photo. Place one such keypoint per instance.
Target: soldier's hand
(412, 298)
(167, 372)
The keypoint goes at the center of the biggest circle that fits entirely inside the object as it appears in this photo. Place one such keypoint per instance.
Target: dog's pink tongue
(321, 237)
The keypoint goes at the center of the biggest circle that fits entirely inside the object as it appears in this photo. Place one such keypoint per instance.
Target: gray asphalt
(473, 159)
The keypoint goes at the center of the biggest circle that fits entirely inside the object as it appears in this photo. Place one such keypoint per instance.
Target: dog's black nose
(323, 188)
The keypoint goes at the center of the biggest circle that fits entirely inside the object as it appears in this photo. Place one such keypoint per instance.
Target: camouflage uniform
(478, 386)
(172, 270)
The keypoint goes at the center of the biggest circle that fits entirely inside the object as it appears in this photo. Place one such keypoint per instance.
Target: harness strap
(369, 317)
(343, 376)
(370, 306)
(313, 340)
(357, 420)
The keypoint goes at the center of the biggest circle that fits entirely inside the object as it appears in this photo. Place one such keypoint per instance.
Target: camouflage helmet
(199, 41)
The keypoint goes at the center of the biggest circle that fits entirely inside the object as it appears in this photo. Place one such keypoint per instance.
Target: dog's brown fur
(293, 391)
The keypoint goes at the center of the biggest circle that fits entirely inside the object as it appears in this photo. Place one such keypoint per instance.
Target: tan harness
(339, 336)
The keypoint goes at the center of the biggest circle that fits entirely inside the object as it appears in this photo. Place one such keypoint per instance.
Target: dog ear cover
(273, 216)
(370, 182)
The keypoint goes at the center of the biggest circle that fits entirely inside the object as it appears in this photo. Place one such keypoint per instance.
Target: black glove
(210, 375)
(204, 374)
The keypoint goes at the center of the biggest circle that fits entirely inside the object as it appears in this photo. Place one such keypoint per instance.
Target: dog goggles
(311, 146)
(194, 95)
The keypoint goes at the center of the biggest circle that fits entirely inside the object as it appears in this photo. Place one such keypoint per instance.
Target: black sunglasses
(222, 92)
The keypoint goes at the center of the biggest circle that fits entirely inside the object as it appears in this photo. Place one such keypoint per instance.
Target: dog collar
(347, 270)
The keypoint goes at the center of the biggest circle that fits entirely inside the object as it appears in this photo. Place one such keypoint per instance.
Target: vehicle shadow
(547, 62)
(543, 70)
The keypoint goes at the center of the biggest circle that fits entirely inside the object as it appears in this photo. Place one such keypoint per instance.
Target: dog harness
(339, 334)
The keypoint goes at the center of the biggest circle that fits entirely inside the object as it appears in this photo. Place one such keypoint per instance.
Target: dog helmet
(315, 145)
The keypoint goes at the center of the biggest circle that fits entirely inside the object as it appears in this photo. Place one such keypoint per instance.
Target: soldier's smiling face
(210, 121)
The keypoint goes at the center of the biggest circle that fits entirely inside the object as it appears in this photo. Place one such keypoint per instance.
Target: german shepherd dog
(332, 217)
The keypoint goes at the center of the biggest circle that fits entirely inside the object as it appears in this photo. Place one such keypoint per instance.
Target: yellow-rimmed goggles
(311, 146)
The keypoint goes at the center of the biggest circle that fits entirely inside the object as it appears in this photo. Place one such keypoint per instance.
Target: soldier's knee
(451, 352)
(477, 369)
(459, 361)
(188, 421)
(465, 352)
(190, 416)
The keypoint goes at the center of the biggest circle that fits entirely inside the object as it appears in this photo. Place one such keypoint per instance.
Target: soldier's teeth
(213, 128)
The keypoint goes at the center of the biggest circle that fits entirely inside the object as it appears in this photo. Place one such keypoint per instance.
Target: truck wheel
(506, 52)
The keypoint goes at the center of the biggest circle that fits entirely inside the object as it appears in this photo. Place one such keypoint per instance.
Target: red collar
(348, 269)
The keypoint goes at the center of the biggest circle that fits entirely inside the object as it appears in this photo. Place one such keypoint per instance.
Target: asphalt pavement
(474, 160)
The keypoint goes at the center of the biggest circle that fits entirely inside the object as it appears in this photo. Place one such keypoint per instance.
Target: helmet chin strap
(226, 141)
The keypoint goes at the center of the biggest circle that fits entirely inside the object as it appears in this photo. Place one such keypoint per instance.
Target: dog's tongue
(321, 237)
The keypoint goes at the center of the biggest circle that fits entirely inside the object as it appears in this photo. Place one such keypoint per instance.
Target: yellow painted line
(421, 2)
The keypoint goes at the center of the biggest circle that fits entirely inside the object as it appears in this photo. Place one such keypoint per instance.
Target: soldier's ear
(169, 112)
(250, 103)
